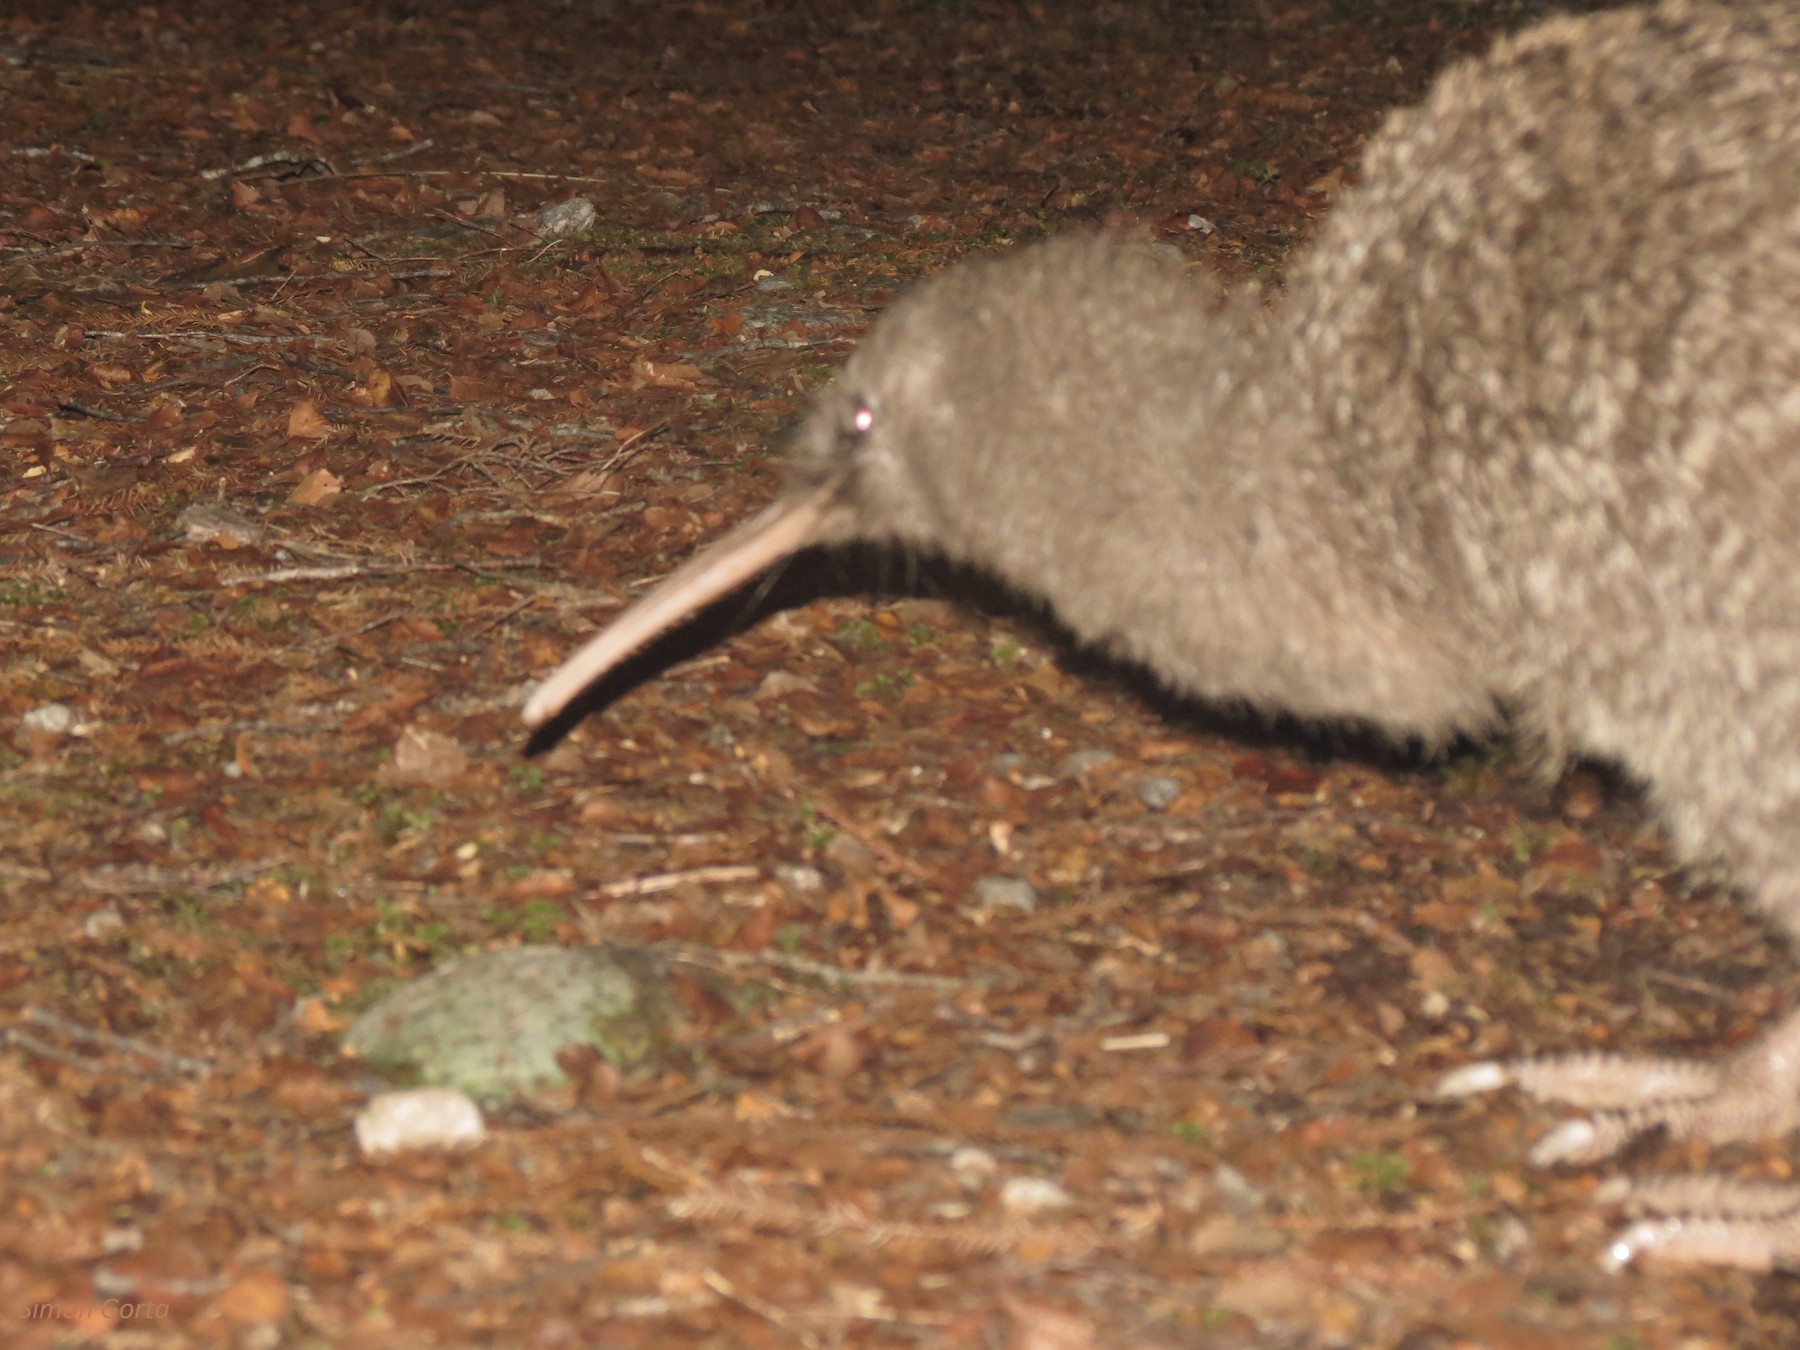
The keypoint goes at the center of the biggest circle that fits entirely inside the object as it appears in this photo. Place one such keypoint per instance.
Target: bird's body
(1521, 438)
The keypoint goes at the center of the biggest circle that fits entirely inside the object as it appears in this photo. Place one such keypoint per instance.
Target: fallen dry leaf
(665, 375)
(256, 1298)
(315, 488)
(306, 423)
(428, 758)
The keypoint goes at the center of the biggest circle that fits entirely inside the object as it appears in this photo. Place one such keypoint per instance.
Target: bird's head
(940, 418)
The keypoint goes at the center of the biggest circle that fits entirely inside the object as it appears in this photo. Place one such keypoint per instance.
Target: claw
(1633, 1242)
(1488, 1076)
(1572, 1141)
(1742, 1243)
(1695, 1221)
(1707, 1220)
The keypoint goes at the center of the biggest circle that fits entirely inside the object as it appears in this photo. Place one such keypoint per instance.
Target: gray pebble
(55, 719)
(1084, 761)
(1235, 1189)
(849, 855)
(209, 522)
(491, 1023)
(1158, 792)
(567, 219)
(1006, 893)
(800, 879)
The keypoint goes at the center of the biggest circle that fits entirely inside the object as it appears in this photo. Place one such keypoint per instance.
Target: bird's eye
(862, 417)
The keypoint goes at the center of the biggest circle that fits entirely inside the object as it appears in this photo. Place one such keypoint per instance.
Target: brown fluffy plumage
(1522, 436)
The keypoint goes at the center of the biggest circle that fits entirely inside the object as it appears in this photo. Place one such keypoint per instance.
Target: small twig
(467, 173)
(31, 1045)
(51, 249)
(246, 374)
(821, 970)
(332, 639)
(623, 453)
(300, 164)
(419, 480)
(774, 1316)
(212, 335)
(645, 294)
(98, 414)
(70, 535)
(137, 880)
(630, 443)
(889, 857)
(470, 223)
(344, 571)
(518, 564)
(288, 278)
(104, 1040)
(214, 729)
(663, 881)
(499, 619)
(1689, 985)
(393, 155)
(46, 151)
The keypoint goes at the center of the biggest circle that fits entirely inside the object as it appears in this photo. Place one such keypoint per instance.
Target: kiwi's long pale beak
(788, 525)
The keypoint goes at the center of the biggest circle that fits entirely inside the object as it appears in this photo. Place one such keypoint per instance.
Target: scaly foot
(1699, 1220)
(1707, 1221)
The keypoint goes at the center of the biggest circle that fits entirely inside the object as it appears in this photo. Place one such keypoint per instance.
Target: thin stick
(664, 881)
(125, 1045)
(212, 335)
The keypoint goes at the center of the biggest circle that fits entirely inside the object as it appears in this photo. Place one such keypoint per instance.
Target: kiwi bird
(1520, 442)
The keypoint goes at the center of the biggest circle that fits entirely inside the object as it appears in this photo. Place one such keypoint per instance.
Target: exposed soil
(315, 447)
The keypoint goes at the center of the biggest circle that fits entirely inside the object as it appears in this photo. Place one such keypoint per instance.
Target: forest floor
(1080, 1019)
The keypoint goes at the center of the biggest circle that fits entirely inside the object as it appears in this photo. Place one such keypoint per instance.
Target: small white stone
(973, 1165)
(102, 923)
(122, 1239)
(1158, 793)
(434, 1117)
(1033, 1195)
(211, 522)
(55, 719)
(799, 878)
(1000, 892)
(1237, 1192)
(1084, 761)
(567, 219)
